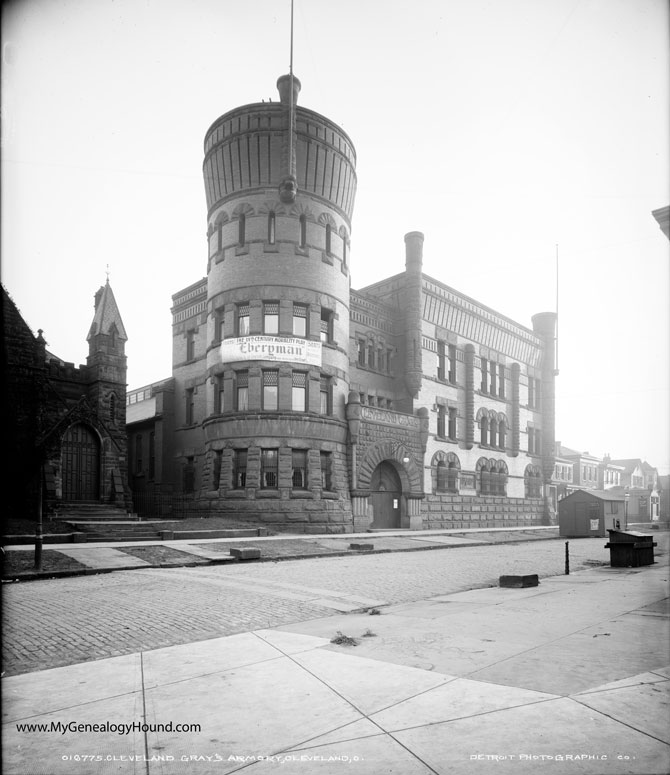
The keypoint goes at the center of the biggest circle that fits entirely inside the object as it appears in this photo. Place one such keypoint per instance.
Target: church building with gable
(64, 424)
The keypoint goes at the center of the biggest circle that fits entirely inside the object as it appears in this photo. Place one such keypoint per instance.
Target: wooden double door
(385, 497)
(81, 464)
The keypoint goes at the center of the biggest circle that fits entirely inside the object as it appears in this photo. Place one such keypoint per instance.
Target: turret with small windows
(272, 332)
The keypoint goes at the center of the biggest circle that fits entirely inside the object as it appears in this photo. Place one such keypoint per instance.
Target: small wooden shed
(591, 513)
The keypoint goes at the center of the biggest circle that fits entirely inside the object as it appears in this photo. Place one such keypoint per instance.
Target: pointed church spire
(107, 317)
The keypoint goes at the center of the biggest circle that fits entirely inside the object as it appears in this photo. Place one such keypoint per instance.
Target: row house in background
(639, 482)
(634, 479)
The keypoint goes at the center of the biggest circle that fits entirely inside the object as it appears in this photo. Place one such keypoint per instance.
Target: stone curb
(226, 560)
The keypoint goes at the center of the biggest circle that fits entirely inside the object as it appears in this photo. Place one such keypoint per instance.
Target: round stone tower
(280, 183)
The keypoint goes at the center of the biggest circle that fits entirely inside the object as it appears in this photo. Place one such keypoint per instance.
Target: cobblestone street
(64, 621)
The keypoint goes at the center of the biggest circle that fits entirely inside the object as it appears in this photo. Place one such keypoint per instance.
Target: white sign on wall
(271, 348)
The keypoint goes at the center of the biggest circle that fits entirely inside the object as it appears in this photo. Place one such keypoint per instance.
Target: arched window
(484, 429)
(484, 476)
(493, 426)
(442, 476)
(303, 231)
(328, 238)
(532, 480)
(501, 434)
(452, 476)
(344, 251)
(271, 228)
(445, 467)
(501, 478)
(242, 227)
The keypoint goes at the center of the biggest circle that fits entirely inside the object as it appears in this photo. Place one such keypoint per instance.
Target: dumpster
(630, 549)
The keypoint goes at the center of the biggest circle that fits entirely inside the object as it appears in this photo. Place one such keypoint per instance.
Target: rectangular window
(300, 320)
(190, 406)
(325, 405)
(485, 382)
(218, 394)
(441, 420)
(242, 325)
(493, 378)
(441, 360)
(242, 390)
(389, 361)
(138, 454)
(326, 470)
(216, 468)
(326, 326)
(381, 366)
(299, 391)
(299, 473)
(269, 469)
(452, 363)
(371, 356)
(239, 469)
(270, 390)
(219, 328)
(451, 430)
(361, 352)
(501, 381)
(271, 318)
(190, 345)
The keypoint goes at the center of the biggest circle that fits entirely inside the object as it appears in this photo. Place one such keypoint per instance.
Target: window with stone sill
(299, 391)
(299, 469)
(326, 471)
(269, 469)
(239, 469)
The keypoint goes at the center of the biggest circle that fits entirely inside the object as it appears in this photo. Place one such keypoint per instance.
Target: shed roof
(603, 495)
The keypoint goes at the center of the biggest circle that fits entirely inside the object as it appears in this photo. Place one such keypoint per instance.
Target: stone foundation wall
(463, 511)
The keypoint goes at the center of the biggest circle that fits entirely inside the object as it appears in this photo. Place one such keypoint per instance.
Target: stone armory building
(303, 403)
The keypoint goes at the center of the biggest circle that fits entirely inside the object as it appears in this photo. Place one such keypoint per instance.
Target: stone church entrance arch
(81, 464)
(385, 497)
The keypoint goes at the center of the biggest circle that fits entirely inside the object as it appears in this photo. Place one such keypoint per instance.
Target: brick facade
(314, 407)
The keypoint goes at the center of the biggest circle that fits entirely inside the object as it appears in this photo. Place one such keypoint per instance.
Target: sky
(509, 132)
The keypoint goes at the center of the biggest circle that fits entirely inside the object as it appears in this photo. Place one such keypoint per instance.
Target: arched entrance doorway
(385, 497)
(81, 464)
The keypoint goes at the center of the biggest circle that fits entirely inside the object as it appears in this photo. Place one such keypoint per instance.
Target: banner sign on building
(271, 348)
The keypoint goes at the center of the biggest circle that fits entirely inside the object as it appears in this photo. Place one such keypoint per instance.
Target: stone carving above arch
(303, 209)
(392, 451)
(326, 219)
(221, 218)
(450, 459)
(272, 206)
(482, 413)
(244, 208)
(343, 233)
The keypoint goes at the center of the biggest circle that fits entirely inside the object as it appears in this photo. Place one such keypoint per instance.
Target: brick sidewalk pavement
(64, 621)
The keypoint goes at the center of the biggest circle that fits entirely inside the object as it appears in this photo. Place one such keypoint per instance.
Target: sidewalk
(568, 677)
(103, 557)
